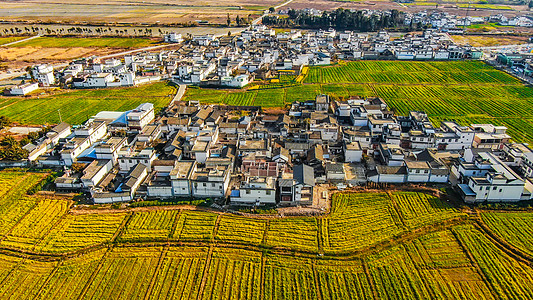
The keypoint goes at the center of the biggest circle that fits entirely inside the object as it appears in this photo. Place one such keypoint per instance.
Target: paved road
(179, 94)
(20, 41)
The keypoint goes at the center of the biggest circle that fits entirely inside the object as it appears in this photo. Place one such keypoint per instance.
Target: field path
(19, 41)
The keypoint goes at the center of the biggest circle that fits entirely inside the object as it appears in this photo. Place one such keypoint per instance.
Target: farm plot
(25, 279)
(14, 205)
(205, 96)
(180, 274)
(343, 280)
(36, 224)
(7, 40)
(71, 277)
(403, 72)
(233, 274)
(507, 278)
(418, 209)
(240, 99)
(150, 226)
(66, 42)
(76, 232)
(359, 220)
(289, 278)
(294, 233)
(77, 106)
(233, 229)
(195, 226)
(125, 273)
(514, 227)
(270, 98)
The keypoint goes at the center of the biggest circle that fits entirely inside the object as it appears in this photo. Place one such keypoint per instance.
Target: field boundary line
(174, 225)
(397, 211)
(503, 245)
(262, 274)
(341, 256)
(120, 229)
(205, 272)
(45, 283)
(267, 227)
(474, 263)
(157, 268)
(215, 229)
(316, 280)
(52, 227)
(366, 270)
(95, 272)
(35, 203)
(319, 237)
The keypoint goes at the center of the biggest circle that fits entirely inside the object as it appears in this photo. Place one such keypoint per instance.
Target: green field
(395, 245)
(6, 40)
(79, 105)
(465, 91)
(65, 42)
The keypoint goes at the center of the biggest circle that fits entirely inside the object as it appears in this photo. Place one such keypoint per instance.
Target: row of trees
(339, 19)
(240, 21)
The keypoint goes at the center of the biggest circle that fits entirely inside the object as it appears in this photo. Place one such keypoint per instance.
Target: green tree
(4, 121)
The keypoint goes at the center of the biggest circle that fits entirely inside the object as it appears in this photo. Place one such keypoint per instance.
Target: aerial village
(240, 155)
(235, 61)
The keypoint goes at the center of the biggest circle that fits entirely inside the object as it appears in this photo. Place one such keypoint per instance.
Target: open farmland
(465, 91)
(66, 42)
(79, 105)
(390, 245)
(132, 12)
(47, 49)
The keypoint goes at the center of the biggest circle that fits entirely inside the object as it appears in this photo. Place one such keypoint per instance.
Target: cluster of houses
(235, 61)
(455, 24)
(253, 158)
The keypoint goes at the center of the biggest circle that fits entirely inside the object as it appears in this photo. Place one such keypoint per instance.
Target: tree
(228, 21)
(4, 121)
(530, 4)
(271, 10)
(238, 20)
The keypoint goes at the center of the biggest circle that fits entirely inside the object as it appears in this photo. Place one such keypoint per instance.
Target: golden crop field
(389, 245)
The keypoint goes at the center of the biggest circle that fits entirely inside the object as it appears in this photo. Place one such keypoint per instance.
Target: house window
(247, 192)
(425, 171)
(500, 190)
(494, 188)
(212, 185)
(269, 192)
(205, 184)
(487, 188)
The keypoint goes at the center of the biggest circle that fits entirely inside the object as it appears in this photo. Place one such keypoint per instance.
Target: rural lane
(20, 41)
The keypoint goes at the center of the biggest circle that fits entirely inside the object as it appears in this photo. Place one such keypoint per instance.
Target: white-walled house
(496, 182)
(255, 191)
(23, 89)
(180, 177)
(210, 182)
(353, 152)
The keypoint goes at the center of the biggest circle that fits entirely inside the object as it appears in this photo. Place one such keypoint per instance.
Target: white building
(23, 89)
(353, 152)
(493, 181)
(255, 191)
